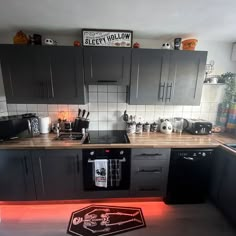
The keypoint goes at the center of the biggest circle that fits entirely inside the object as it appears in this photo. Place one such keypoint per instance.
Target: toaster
(26, 125)
(198, 126)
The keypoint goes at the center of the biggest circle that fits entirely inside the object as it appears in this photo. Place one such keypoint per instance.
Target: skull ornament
(165, 46)
(166, 127)
(49, 41)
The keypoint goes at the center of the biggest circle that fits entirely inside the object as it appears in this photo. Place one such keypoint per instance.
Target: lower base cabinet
(16, 176)
(57, 174)
(223, 184)
(149, 172)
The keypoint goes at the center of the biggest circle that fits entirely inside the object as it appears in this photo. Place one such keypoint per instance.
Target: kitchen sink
(231, 145)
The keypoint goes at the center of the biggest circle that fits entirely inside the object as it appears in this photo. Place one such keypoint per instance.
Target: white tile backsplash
(32, 107)
(107, 104)
(112, 97)
(112, 88)
(102, 97)
(21, 108)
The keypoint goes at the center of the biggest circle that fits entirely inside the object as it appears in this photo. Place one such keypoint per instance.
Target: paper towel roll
(44, 124)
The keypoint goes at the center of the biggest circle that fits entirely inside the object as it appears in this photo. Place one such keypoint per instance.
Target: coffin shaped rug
(98, 220)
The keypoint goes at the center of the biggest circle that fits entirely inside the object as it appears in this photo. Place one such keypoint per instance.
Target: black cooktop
(107, 137)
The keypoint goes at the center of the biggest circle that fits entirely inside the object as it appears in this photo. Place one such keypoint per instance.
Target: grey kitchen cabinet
(66, 81)
(186, 76)
(217, 171)
(171, 77)
(149, 172)
(16, 181)
(57, 174)
(20, 74)
(227, 192)
(107, 65)
(148, 76)
(43, 74)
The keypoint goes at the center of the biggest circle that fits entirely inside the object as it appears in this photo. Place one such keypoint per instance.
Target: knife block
(80, 124)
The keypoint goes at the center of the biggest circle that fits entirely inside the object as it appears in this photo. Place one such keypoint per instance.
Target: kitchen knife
(79, 111)
(87, 115)
(83, 113)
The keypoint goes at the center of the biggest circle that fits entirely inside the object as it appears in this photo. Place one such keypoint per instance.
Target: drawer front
(149, 165)
(150, 154)
(149, 178)
(149, 185)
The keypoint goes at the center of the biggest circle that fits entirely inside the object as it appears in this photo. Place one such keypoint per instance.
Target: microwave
(17, 126)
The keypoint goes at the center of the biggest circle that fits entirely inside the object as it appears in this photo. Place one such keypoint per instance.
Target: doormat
(98, 220)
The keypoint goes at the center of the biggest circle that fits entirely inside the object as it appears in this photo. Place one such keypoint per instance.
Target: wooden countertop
(145, 140)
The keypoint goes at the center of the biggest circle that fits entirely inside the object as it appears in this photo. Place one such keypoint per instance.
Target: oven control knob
(203, 154)
(121, 152)
(92, 153)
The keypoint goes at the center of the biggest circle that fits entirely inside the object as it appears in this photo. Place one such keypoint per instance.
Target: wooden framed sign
(107, 38)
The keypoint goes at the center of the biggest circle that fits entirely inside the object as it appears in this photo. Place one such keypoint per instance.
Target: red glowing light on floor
(49, 212)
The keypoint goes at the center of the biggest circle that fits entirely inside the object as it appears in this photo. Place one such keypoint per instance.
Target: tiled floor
(161, 219)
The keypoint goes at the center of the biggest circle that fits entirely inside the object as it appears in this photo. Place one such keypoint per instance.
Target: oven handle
(121, 160)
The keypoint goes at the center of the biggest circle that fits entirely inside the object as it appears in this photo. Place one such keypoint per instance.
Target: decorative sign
(98, 220)
(107, 38)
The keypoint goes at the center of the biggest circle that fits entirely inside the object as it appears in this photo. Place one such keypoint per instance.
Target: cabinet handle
(148, 189)
(155, 171)
(189, 158)
(41, 174)
(122, 75)
(196, 82)
(137, 82)
(26, 166)
(91, 67)
(163, 91)
(51, 81)
(167, 91)
(106, 81)
(77, 163)
(150, 154)
(10, 78)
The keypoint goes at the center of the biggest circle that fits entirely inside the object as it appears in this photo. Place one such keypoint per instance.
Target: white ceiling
(153, 19)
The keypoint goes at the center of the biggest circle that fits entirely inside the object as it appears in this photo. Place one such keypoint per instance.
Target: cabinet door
(57, 174)
(227, 192)
(66, 77)
(18, 69)
(218, 168)
(16, 181)
(186, 75)
(148, 76)
(107, 65)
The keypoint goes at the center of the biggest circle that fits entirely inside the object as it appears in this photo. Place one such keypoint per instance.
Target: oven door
(118, 169)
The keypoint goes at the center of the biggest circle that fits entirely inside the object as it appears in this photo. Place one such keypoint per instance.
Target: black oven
(118, 168)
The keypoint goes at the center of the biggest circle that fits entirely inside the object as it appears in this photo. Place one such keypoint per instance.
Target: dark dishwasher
(189, 174)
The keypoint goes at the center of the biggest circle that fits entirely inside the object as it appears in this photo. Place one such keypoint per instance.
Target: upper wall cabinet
(186, 76)
(107, 65)
(41, 74)
(167, 77)
(148, 76)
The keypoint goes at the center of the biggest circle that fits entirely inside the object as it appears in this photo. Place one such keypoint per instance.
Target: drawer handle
(107, 81)
(148, 189)
(150, 154)
(156, 171)
(189, 158)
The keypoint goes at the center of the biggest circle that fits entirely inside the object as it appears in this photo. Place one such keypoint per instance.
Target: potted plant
(223, 118)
